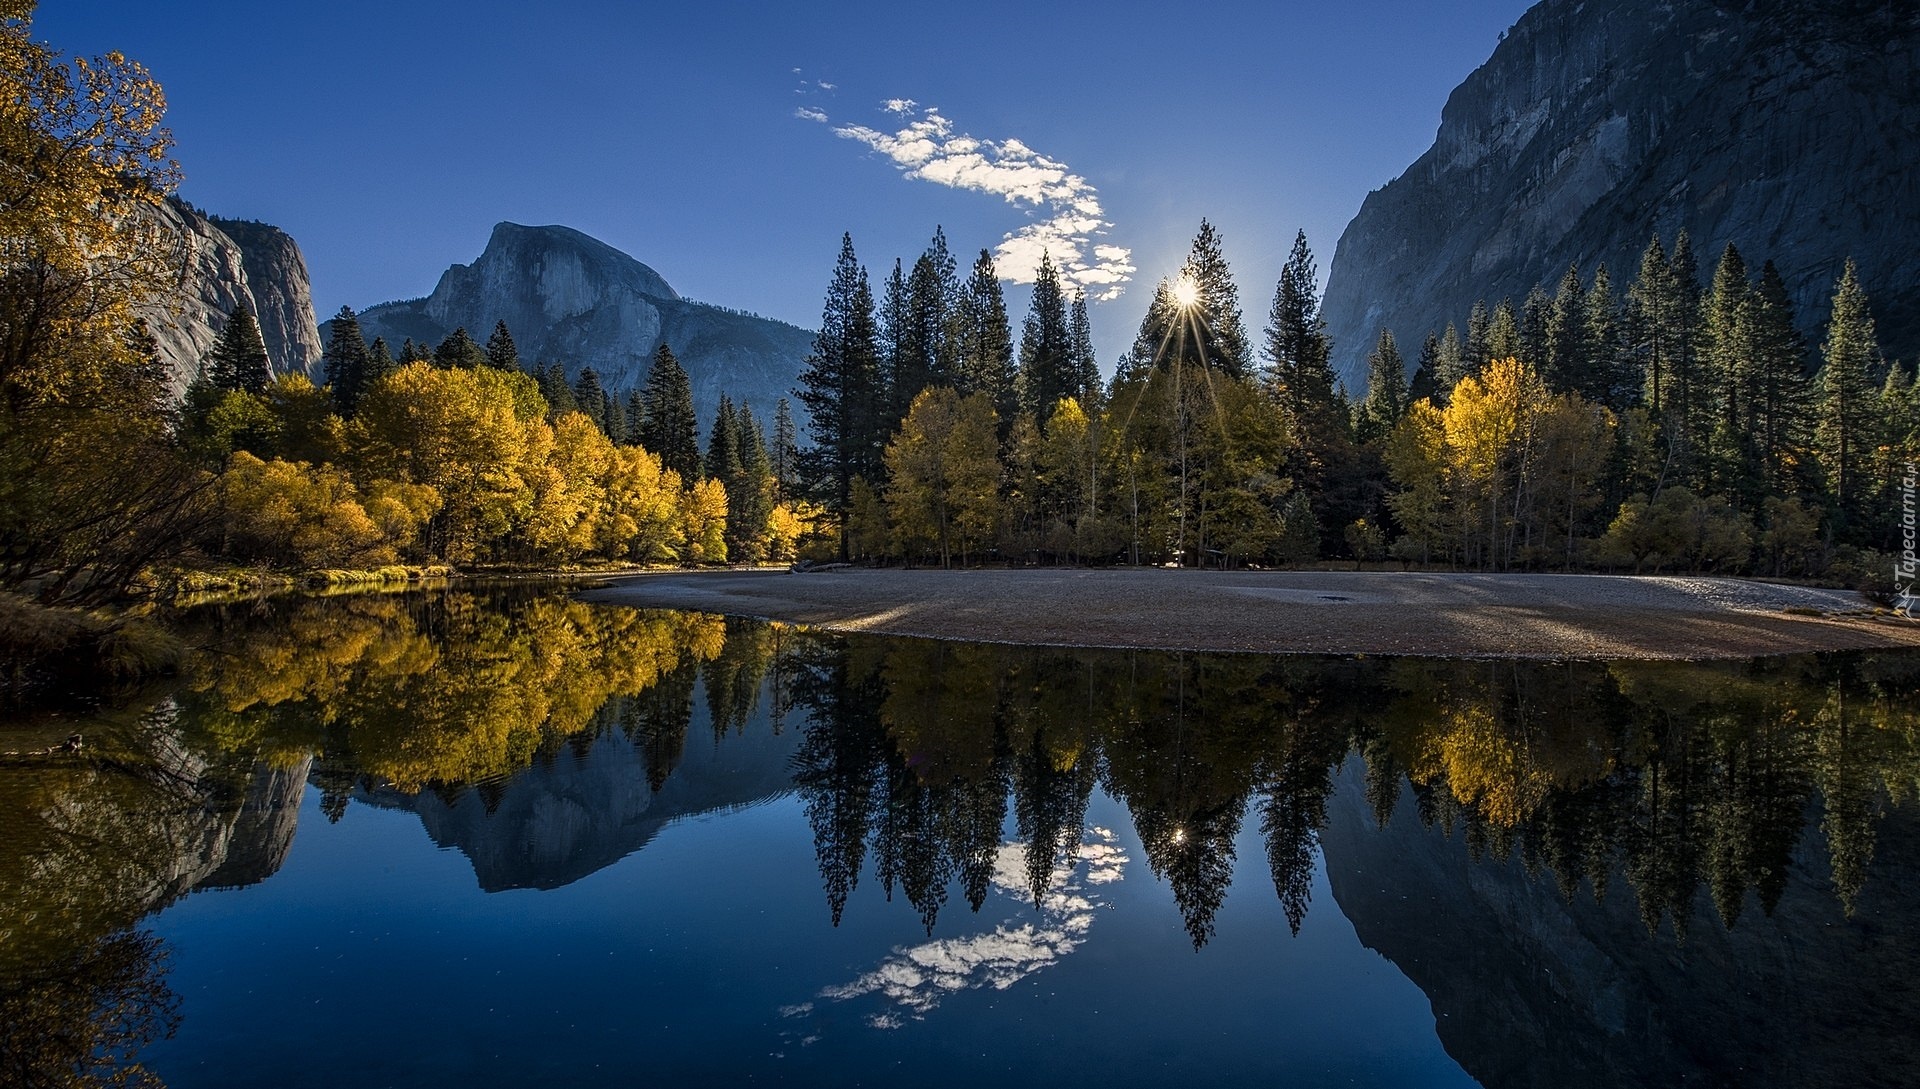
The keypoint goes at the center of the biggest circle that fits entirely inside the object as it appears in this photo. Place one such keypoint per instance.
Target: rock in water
(574, 300)
(1788, 127)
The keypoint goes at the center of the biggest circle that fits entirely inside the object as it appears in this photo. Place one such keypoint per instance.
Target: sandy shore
(1308, 612)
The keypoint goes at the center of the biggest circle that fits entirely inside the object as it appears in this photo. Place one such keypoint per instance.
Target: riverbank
(1299, 612)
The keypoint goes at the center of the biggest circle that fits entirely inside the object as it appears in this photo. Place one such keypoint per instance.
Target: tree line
(459, 452)
(1674, 425)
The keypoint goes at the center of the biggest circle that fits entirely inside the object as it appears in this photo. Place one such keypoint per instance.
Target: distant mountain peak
(572, 299)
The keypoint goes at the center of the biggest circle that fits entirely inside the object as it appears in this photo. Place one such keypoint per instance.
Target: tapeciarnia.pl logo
(1907, 567)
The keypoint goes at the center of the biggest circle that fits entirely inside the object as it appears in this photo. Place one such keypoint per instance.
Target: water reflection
(1643, 854)
(913, 981)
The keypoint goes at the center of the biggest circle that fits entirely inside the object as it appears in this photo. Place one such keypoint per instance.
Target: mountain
(222, 262)
(1789, 127)
(575, 300)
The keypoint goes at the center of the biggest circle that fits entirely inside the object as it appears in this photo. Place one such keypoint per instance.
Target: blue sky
(388, 138)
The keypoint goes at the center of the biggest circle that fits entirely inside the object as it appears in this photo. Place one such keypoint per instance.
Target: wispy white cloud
(808, 113)
(1067, 219)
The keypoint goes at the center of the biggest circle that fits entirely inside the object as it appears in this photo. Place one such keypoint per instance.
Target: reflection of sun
(1185, 291)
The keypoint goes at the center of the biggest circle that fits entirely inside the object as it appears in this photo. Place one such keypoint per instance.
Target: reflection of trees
(1679, 777)
(82, 1018)
(449, 689)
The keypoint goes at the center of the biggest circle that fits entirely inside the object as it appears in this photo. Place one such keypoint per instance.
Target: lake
(504, 837)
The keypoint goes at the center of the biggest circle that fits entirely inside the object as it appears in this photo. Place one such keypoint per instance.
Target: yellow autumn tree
(703, 511)
(1483, 419)
(458, 432)
(84, 256)
(945, 467)
(1417, 459)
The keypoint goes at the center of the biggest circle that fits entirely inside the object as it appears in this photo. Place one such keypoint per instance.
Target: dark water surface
(490, 839)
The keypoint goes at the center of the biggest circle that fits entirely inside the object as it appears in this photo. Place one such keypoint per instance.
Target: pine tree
(1605, 379)
(346, 360)
(552, 379)
(1503, 334)
(1086, 362)
(783, 453)
(1476, 351)
(459, 351)
(1220, 331)
(1425, 384)
(895, 334)
(238, 361)
(1693, 403)
(1732, 457)
(925, 357)
(1564, 364)
(983, 342)
(379, 363)
(842, 391)
(1046, 345)
(750, 491)
(1845, 429)
(413, 353)
(1536, 314)
(1386, 390)
(590, 397)
(723, 443)
(1655, 319)
(1452, 364)
(500, 350)
(615, 414)
(671, 430)
(1299, 353)
(636, 415)
(1783, 399)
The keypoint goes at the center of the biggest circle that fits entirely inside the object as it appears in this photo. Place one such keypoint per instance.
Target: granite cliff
(220, 263)
(1788, 127)
(574, 300)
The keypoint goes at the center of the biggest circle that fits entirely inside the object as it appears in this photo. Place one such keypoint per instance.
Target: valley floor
(1304, 612)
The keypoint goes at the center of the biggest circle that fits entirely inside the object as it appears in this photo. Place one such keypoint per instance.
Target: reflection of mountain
(1529, 989)
(587, 807)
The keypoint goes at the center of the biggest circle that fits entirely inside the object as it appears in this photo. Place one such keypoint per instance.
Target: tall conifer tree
(501, 351)
(983, 340)
(842, 391)
(346, 361)
(671, 431)
(238, 361)
(1046, 345)
(1845, 431)
(459, 351)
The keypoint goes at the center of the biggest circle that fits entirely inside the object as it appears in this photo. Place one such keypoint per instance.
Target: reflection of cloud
(926, 147)
(914, 980)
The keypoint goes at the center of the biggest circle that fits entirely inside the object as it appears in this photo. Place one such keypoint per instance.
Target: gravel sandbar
(1298, 612)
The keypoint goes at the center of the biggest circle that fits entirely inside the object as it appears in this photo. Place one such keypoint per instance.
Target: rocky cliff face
(221, 263)
(574, 300)
(1788, 127)
(1530, 989)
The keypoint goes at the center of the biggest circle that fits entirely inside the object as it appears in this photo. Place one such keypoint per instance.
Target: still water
(463, 838)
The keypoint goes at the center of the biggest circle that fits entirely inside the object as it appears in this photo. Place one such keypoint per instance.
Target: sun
(1186, 292)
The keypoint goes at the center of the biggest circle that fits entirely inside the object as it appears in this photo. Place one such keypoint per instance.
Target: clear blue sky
(389, 137)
